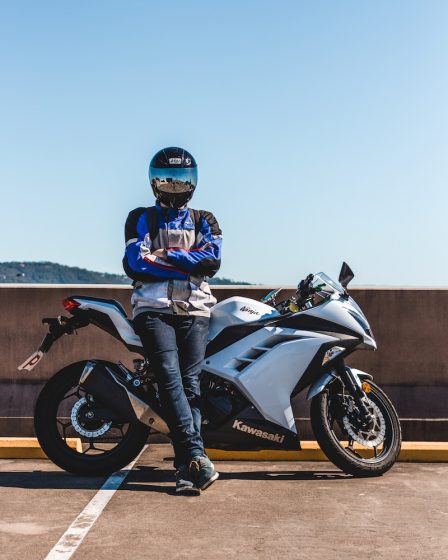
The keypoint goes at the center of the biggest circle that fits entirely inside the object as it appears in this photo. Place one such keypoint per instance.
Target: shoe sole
(210, 481)
(188, 491)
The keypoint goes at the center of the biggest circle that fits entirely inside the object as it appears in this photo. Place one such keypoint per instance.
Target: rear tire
(54, 445)
(323, 420)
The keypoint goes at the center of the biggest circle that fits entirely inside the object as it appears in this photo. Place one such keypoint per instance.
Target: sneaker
(184, 482)
(203, 472)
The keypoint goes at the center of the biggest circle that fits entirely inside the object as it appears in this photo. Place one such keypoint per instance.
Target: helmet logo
(187, 161)
(174, 160)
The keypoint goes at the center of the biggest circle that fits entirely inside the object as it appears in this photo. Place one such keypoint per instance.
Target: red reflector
(70, 304)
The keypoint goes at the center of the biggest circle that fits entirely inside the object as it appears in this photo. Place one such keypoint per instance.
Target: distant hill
(44, 272)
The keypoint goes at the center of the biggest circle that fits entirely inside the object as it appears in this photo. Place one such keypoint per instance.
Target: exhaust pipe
(105, 385)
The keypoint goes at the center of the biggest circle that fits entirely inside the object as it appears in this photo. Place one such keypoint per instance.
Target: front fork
(354, 387)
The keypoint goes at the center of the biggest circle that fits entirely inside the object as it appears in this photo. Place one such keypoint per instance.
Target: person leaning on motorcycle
(170, 250)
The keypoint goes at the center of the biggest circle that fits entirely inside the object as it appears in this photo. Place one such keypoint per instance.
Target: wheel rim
(365, 446)
(372, 437)
(81, 435)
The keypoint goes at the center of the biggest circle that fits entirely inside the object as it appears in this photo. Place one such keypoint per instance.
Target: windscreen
(326, 284)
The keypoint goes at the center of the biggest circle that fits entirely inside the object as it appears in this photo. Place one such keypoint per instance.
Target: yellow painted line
(29, 448)
(411, 451)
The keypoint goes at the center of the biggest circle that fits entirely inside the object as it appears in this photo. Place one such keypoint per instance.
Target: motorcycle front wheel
(74, 433)
(355, 450)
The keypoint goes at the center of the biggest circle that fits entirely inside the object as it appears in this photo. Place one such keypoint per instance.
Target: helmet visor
(174, 186)
(173, 179)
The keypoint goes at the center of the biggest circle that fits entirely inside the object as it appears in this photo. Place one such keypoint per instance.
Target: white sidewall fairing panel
(279, 359)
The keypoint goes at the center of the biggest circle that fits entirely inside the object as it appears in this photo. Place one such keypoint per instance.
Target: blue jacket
(192, 238)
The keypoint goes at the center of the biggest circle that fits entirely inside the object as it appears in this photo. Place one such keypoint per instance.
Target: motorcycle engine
(220, 400)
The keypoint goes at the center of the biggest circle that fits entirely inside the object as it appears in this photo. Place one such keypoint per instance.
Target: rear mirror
(346, 275)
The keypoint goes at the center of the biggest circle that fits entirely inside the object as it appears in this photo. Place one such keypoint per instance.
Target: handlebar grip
(304, 284)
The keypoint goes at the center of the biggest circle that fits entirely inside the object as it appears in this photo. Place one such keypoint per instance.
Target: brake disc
(368, 438)
(81, 429)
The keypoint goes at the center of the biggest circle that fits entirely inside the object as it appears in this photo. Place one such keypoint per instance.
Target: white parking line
(74, 535)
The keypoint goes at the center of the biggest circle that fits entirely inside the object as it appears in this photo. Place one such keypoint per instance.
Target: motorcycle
(260, 354)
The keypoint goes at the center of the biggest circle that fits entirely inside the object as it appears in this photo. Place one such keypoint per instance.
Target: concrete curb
(28, 448)
(411, 451)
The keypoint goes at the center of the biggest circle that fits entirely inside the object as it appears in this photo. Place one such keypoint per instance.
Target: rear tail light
(70, 304)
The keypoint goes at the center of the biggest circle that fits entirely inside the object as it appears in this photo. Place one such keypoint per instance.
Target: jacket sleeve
(138, 262)
(205, 259)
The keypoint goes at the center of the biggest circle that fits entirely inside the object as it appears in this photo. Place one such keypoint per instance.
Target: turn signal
(366, 387)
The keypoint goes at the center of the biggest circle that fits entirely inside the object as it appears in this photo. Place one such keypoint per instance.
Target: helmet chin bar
(174, 200)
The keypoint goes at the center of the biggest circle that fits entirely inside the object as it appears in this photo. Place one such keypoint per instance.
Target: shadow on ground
(149, 479)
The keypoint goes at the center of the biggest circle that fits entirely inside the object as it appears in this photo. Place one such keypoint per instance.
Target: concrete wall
(411, 364)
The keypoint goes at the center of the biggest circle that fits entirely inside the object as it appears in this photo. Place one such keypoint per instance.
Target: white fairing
(237, 310)
(121, 323)
(266, 366)
(341, 313)
(232, 311)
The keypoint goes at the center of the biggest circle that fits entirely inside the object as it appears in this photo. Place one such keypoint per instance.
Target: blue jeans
(175, 346)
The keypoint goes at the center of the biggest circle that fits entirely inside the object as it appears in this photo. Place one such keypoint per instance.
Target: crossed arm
(171, 262)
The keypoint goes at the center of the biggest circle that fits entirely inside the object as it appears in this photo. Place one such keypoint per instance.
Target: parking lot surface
(256, 510)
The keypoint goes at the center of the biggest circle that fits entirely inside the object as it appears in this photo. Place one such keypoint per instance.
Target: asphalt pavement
(256, 510)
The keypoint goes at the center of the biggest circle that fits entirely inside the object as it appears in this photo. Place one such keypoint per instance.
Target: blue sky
(320, 130)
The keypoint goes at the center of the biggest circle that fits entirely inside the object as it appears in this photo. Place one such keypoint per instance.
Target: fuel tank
(237, 310)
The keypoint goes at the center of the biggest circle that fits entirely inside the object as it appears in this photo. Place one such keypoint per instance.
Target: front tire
(331, 434)
(52, 406)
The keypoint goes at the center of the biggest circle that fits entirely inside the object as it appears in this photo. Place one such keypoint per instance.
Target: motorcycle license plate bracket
(58, 326)
(31, 361)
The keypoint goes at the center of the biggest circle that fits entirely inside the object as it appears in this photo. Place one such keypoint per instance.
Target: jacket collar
(171, 213)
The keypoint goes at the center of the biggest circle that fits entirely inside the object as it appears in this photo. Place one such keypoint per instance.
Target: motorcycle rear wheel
(337, 444)
(106, 458)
